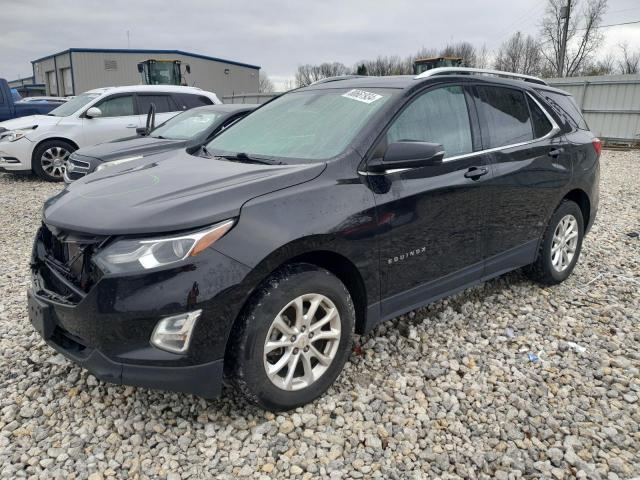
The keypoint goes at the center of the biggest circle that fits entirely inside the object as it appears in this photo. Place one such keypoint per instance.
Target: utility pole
(565, 14)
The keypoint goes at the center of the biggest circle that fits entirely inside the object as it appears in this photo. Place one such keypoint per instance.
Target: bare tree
(289, 84)
(265, 85)
(307, 74)
(482, 57)
(583, 37)
(425, 52)
(464, 50)
(630, 61)
(520, 54)
(383, 65)
(602, 66)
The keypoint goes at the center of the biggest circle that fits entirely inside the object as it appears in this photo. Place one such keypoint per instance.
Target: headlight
(117, 162)
(13, 135)
(133, 255)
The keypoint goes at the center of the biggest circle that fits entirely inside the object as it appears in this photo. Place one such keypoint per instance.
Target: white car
(42, 143)
(43, 99)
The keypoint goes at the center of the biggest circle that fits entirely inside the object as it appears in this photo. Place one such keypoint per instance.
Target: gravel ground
(447, 391)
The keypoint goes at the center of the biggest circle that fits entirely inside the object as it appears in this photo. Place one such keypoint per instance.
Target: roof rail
(336, 79)
(478, 71)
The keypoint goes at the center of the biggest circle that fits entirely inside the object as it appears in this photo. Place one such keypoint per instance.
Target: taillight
(597, 145)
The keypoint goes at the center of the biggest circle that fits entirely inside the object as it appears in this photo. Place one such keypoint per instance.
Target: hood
(30, 121)
(130, 147)
(167, 192)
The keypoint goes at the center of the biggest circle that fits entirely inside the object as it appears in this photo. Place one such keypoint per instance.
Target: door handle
(132, 126)
(475, 173)
(555, 153)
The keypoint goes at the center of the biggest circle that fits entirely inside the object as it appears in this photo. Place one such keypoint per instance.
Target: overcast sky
(278, 35)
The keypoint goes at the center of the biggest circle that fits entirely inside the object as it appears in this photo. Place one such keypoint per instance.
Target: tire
(544, 270)
(49, 159)
(246, 364)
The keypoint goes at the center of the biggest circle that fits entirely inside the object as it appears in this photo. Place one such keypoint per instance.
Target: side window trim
(533, 127)
(555, 129)
(136, 105)
(474, 119)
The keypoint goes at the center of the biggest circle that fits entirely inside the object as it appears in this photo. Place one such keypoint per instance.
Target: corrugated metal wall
(106, 69)
(610, 104)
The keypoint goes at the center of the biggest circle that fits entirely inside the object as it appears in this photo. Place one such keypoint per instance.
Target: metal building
(610, 104)
(77, 70)
(27, 87)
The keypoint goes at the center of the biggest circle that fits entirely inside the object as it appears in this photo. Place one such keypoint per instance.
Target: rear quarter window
(187, 101)
(565, 108)
(163, 103)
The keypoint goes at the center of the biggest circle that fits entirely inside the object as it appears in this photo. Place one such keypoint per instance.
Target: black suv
(322, 213)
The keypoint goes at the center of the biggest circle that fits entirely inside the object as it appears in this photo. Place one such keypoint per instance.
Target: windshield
(307, 125)
(186, 125)
(73, 105)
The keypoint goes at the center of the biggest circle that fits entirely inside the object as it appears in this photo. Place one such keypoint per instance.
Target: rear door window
(437, 116)
(565, 108)
(541, 124)
(163, 103)
(504, 116)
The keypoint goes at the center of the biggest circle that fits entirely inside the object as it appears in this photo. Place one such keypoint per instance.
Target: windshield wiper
(246, 158)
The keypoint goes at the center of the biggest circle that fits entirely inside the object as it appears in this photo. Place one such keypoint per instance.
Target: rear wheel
(561, 245)
(50, 159)
(293, 339)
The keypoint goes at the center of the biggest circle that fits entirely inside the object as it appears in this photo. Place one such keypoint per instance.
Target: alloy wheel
(53, 161)
(302, 342)
(564, 243)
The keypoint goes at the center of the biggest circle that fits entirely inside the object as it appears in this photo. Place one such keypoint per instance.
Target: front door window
(438, 116)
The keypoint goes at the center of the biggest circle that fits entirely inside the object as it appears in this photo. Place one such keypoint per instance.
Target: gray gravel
(447, 391)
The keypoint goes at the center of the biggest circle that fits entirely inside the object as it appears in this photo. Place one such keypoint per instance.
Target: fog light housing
(173, 334)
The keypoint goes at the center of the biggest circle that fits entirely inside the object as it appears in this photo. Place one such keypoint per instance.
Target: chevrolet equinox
(321, 214)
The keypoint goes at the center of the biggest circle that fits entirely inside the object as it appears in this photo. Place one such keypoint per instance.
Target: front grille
(63, 262)
(77, 168)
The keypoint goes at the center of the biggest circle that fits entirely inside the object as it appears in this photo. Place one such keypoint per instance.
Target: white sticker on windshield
(362, 96)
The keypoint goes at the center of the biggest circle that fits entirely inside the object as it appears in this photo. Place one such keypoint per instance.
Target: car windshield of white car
(186, 126)
(73, 105)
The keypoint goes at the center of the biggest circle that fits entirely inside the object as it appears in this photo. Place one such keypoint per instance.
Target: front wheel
(561, 245)
(50, 159)
(293, 339)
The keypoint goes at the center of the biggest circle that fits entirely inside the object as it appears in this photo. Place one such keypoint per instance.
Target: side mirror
(187, 68)
(140, 68)
(408, 154)
(93, 112)
(142, 132)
